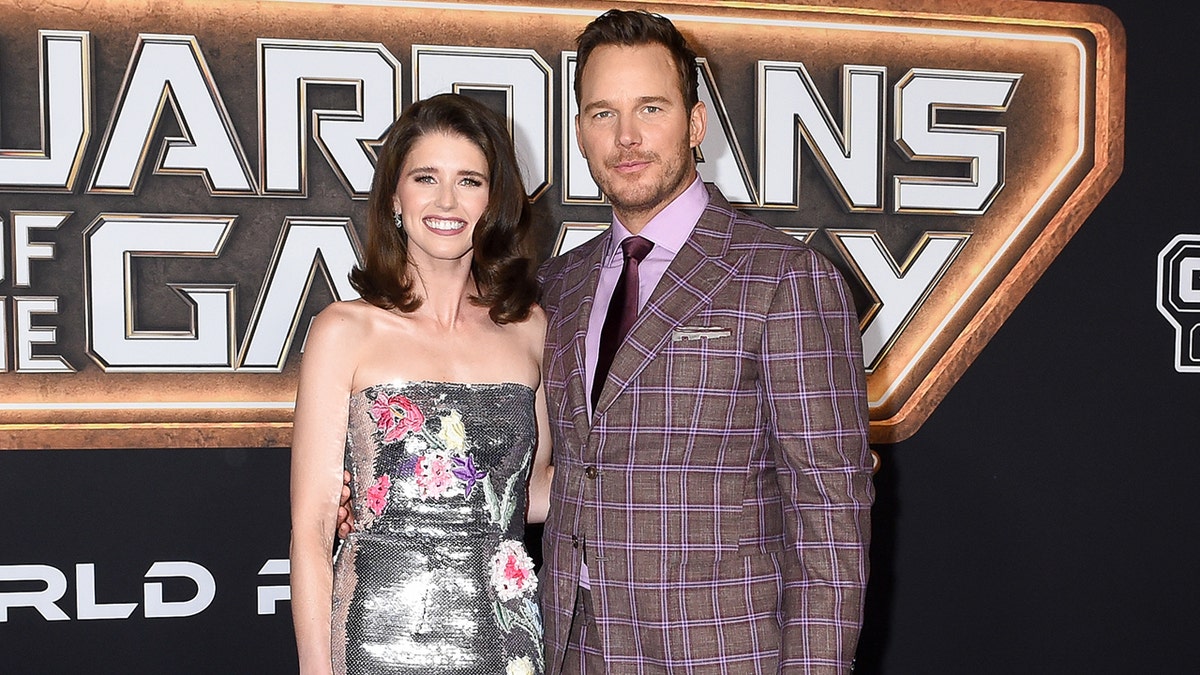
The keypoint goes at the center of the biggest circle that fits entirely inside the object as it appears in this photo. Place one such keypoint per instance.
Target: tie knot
(636, 247)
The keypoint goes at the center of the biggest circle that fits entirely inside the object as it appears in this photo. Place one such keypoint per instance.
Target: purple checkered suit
(722, 490)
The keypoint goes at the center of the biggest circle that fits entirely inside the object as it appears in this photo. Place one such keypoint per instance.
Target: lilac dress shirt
(669, 229)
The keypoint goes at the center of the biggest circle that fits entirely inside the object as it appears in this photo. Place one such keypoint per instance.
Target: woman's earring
(399, 222)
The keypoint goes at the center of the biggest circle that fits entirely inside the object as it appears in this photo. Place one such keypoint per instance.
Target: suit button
(574, 541)
(591, 472)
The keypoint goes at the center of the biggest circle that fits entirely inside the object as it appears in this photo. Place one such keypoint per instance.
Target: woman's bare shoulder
(530, 335)
(533, 328)
(537, 317)
(343, 323)
(344, 315)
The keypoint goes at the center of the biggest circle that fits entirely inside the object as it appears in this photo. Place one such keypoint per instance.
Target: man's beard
(644, 197)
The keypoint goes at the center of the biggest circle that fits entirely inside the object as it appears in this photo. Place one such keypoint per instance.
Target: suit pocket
(730, 607)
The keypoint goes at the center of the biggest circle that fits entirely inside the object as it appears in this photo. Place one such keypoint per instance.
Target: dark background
(1041, 521)
(1044, 518)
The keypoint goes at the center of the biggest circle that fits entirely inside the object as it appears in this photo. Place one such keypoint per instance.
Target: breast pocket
(708, 356)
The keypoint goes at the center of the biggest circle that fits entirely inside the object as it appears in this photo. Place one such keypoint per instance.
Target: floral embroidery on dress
(377, 494)
(516, 607)
(464, 470)
(512, 571)
(453, 433)
(521, 666)
(396, 415)
(438, 465)
(434, 474)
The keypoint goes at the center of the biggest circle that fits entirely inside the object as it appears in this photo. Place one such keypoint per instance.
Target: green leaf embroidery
(489, 500)
(504, 618)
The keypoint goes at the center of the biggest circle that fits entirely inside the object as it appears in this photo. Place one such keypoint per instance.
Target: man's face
(635, 129)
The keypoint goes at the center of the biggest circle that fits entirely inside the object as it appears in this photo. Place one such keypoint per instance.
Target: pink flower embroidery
(396, 416)
(434, 473)
(377, 494)
(512, 571)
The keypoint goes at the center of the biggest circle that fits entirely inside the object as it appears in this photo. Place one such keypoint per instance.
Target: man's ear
(697, 124)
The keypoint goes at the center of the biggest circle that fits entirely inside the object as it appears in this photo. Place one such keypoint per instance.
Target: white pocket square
(699, 333)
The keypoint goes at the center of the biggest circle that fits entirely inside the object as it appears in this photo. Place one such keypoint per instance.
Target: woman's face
(442, 192)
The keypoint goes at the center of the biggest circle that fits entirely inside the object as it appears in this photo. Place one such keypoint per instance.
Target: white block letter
(85, 597)
(112, 242)
(66, 86)
(898, 289)
(168, 72)
(920, 96)
(44, 600)
(28, 335)
(851, 159)
(286, 70)
(206, 590)
(305, 246)
(270, 596)
(26, 250)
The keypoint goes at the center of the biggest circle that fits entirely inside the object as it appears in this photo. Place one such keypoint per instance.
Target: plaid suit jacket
(722, 489)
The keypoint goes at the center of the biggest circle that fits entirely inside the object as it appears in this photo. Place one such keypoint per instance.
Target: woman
(428, 391)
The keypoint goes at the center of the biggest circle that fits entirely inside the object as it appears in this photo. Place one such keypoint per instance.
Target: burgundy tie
(622, 311)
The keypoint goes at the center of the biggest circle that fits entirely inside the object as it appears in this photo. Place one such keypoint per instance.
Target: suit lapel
(583, 278)
(697, 273)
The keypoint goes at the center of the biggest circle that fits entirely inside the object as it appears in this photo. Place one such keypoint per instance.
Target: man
(710, 510)
(711, 498)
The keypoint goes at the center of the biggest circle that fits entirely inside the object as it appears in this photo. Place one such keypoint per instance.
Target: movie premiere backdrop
(183, 185)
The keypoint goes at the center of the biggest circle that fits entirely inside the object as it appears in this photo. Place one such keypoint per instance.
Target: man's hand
(345, 524)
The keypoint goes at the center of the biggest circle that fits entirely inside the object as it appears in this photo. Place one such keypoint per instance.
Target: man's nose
(629, 131)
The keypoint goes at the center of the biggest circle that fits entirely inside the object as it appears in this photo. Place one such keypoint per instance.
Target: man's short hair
(630, 28)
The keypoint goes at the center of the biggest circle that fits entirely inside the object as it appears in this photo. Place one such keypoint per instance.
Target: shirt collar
(669, 228)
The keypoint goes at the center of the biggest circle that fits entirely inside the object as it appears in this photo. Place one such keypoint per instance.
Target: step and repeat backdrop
(183, 184)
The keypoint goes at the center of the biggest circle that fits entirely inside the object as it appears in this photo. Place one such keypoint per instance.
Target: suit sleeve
(815, 388)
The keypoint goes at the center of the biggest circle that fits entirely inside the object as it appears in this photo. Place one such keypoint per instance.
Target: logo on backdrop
(1179, 297)
(180, 203)
(52, 587)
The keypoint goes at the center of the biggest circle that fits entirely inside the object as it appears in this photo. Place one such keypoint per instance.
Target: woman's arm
(543, 469)
(318, 447)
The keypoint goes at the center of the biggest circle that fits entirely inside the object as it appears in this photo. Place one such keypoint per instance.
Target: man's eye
(652, 109)
(603, 114)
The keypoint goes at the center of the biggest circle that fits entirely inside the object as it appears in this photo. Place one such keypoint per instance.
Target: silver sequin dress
(435, 578)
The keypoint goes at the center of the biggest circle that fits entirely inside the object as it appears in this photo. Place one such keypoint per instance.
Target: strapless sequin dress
(435, 579)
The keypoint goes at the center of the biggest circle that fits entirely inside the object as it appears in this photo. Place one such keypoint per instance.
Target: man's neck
(635, 221)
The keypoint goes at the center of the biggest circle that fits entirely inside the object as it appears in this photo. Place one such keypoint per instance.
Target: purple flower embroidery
(408, 467)
(464, 470)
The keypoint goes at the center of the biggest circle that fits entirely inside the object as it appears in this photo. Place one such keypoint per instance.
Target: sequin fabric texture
(435, 579)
